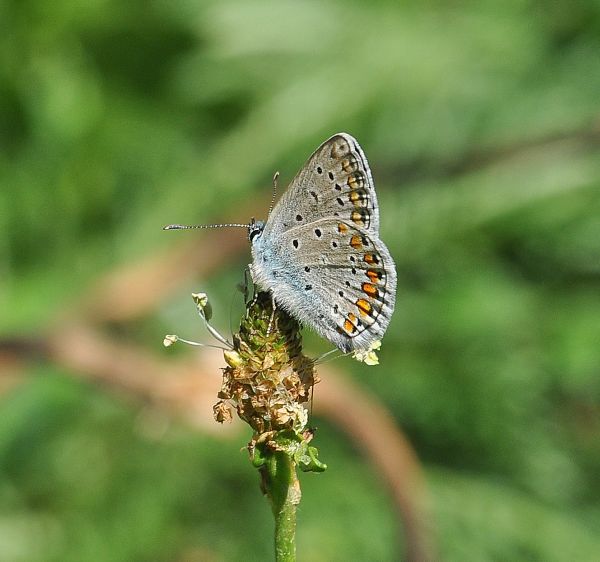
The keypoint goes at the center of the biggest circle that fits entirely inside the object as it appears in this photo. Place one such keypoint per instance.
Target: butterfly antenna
(275, 178)
(188, 226)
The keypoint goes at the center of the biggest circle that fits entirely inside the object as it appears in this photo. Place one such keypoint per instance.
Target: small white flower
(202, 304)
(169, 340)
(368, 357)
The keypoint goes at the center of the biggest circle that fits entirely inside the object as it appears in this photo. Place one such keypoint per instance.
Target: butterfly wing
(334, 182)
(333, 276)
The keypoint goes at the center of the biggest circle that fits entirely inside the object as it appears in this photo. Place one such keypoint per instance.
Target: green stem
(283, 489)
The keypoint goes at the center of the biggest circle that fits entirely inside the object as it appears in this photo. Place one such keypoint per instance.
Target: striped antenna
(275, 178)
(188, 226)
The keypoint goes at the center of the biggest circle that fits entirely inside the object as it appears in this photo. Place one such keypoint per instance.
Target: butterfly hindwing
(333, 276)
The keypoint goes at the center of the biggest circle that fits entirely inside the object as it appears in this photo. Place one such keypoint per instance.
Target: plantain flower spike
(267, 378)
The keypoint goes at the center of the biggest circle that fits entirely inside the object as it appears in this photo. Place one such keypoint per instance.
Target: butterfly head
(255, 229)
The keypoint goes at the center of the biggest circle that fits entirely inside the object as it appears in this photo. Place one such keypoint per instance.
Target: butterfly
(319, 253)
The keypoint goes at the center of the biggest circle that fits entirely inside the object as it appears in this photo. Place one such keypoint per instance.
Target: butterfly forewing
(335, 182)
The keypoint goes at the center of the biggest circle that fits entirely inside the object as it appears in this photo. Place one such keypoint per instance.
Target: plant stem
(283, 489)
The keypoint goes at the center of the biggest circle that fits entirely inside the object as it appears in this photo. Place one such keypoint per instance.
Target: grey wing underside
(335, 277)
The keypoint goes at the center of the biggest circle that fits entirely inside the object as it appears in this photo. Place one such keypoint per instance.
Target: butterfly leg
(272, 319)
(246, 286)
(327, 356)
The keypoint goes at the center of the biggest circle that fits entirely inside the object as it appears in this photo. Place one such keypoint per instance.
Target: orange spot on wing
(356, 242)
(371, 259)
(342, 228)
(364, 307)
(349, 164)
(355, 180)
(357, 217)
(370, 290)
(349, 327)
(373, 275)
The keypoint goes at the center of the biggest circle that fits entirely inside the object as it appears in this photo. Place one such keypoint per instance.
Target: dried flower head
(267, 378)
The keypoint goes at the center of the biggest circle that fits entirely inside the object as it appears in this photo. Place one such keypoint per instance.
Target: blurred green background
(481, 122)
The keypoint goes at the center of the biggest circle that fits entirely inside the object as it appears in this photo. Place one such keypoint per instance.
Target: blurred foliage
(482, 126)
